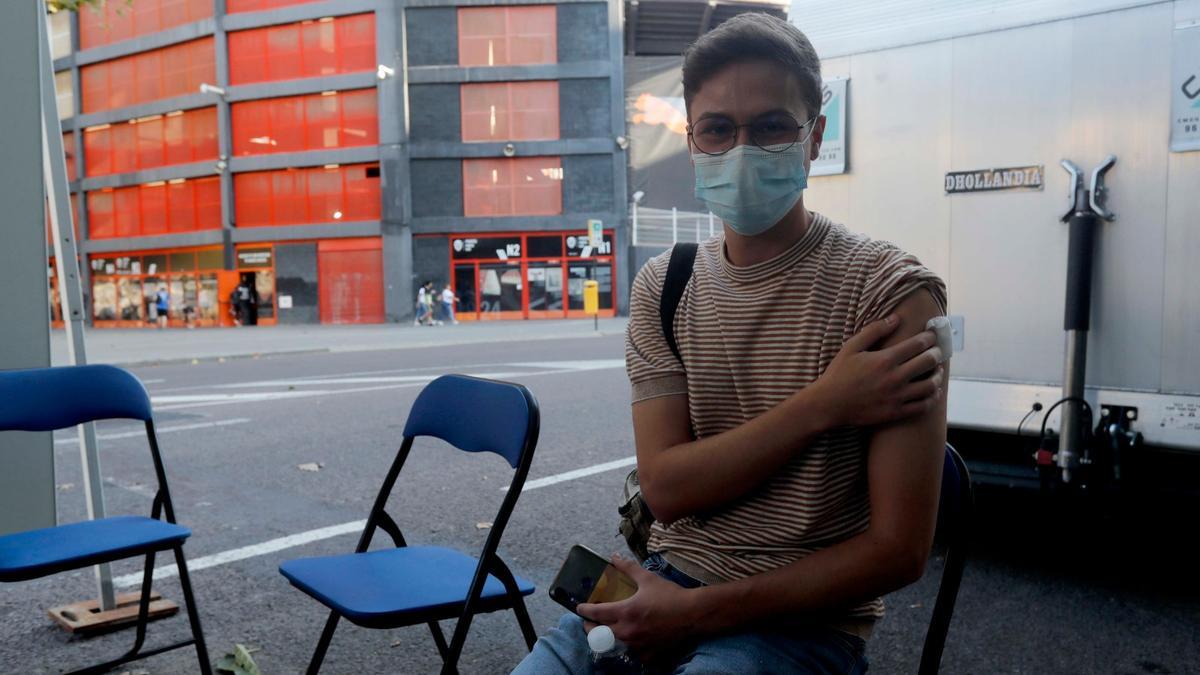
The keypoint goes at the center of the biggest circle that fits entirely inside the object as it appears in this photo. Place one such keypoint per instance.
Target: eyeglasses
(773, 132)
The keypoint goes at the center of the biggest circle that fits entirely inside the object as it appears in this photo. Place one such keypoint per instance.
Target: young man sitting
(793, 458)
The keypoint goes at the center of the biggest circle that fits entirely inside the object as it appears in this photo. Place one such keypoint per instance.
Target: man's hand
(657, 617)
(867, 388)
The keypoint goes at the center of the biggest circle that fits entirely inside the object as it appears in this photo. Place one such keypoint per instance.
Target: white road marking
(577, 473)
(163, 430)
(153, 381)
(553, 366)
(252, 551)
(176, 402)
(593, 364)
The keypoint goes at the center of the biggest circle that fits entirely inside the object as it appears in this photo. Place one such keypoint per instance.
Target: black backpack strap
(679, 270)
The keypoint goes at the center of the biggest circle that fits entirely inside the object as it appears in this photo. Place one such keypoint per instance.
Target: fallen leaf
(483, 526)
(310, 466)
(916, 606)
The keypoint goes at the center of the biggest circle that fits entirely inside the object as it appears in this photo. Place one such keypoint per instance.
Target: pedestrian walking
(449, 302)
(162, 305)
(424, 304)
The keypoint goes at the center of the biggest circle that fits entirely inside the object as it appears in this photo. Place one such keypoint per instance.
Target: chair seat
(396, 587)
(37, 553)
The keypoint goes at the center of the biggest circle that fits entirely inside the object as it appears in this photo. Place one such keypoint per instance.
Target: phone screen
(586, 577)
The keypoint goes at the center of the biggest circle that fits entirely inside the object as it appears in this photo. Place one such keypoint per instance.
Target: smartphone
(587, 577)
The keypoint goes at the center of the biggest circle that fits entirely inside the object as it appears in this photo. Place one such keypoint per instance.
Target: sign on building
(1185, 90)
(989, 180)
(595, 232)
(833, 145)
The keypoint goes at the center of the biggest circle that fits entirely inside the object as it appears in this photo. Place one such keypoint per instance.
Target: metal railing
(667, 227)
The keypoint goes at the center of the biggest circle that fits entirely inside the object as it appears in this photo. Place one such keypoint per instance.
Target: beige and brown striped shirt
(750, 337)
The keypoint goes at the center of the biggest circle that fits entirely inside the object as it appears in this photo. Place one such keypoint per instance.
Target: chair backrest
(955, 509)
(44, 399)
(476, 415)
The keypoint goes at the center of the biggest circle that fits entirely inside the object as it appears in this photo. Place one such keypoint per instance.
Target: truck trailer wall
(1078, 88)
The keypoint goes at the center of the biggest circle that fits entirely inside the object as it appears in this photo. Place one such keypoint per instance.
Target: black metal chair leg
(439, 639)
(525, 623)
(314, 666)
(457, 642)
(189, 598)
(142, 620)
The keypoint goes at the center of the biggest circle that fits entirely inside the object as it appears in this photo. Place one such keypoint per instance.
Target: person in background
(449, 302)
(424, 305)
(162, 304)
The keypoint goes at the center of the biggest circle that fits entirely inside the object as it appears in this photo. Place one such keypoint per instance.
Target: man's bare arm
(681, 476)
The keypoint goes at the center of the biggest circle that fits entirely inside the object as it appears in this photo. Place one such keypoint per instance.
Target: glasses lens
(775, 130)
(714, 135)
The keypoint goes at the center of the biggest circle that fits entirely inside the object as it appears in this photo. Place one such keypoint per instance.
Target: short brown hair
(753, 36)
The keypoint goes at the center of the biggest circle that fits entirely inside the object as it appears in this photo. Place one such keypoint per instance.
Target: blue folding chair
(409, 585)
(955, 511)
(45, 399)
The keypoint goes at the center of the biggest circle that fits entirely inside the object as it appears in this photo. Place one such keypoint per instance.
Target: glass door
(579, 272)
(500, 291)
(465, 276)
(545, 282)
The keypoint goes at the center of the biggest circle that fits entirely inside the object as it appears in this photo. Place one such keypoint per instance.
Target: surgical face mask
(749, 188)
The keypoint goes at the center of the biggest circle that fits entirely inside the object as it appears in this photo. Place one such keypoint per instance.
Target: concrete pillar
(398, 292)
(27, 481)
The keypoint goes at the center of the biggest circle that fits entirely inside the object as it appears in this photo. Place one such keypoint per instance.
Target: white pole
(710, 224)
(67, 265)
(697, 228)
(635, 224)
(674, 225)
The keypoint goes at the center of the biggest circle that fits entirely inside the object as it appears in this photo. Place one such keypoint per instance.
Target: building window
(116, 20)
(507, 36)
(510, 111)
(526, 186)
(331, 119)
(177, 70)
(161, 207)
(234, 6)
(64, 93)
(326, 46)
(328, 194)
(60, 33)
(159, 140)
(125, 286)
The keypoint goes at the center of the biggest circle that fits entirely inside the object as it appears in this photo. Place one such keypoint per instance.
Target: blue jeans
(813, 650)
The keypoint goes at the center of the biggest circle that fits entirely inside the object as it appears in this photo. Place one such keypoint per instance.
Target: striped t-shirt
(749, 338)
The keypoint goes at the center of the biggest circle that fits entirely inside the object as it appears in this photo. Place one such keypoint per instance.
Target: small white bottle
(608, 654)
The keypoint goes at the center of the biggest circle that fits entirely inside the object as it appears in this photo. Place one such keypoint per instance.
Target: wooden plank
(86, 618)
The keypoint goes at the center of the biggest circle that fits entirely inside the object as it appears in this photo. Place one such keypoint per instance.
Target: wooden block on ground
(85, 617)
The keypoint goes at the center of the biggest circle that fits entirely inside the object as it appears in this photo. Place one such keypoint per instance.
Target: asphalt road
(1046, 591)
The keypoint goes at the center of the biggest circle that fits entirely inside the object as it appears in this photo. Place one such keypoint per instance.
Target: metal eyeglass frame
(738, 127)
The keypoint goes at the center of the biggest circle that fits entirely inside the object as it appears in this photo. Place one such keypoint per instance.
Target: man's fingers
(605, 613)
(917, 391)
(916, 408)
(872, 333)
(920, 365)
(630, 568)
(912, 347)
